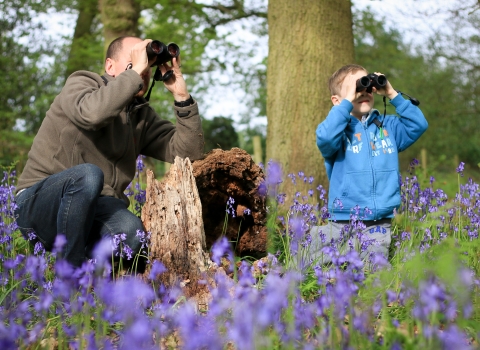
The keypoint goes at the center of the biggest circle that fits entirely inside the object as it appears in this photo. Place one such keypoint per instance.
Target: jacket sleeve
(164, 141)
(411, 124)
(330, 132)
(90, 104)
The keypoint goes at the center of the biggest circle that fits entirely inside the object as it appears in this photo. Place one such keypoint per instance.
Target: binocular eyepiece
(164, 54)
(370, 81)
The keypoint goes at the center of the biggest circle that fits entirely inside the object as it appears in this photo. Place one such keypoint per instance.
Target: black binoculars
(164, 53)
(371, 80)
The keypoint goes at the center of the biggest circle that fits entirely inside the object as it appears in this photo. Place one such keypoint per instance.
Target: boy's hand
(350, 83)
(388, 90)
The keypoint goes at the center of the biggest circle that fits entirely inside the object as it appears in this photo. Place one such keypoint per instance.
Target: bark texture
(173, 214)
(79, 57)
(119, 18)
(308, 41)
(232, 174)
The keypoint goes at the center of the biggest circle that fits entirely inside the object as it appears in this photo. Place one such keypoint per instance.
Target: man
(84, 154)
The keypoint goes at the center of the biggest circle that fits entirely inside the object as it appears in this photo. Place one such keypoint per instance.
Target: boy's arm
(330, 132)
(411, 124)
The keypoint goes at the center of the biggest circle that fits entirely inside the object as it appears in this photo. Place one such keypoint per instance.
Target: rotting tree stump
(223, 174)
(172, 213)
(190, 202)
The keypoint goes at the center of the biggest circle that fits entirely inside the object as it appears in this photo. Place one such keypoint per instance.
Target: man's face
(117, 66)
(363, 103)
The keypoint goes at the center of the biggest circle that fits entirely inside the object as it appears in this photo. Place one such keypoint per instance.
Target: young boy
(360, 147)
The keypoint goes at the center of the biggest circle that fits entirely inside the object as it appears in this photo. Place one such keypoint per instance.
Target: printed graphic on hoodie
(378, 144)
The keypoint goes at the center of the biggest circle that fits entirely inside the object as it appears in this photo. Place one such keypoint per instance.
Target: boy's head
(342, 84)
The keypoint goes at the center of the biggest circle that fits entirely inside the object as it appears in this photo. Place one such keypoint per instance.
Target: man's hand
(176, 84)
(388, 90)
(139, 57)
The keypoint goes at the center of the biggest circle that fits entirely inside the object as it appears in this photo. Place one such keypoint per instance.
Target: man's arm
(185, 139)
(90, 104)
(164, 141)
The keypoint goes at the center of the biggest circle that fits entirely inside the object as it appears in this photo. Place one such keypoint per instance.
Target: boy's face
(362, 101)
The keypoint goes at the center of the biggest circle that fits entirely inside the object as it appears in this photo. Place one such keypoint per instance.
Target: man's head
(118, 59)
(342, 83)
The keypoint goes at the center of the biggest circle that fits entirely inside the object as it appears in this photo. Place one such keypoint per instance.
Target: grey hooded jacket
(103, 124)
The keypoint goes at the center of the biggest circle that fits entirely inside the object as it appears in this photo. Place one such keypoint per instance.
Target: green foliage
(14, 147)
(246, 136)
(87, 45)
(29, 80)
(439, 85)
(180, 22)
(219, 132)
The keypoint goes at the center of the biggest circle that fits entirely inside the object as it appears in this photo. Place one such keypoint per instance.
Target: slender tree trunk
(87, 11)
(308, 41)
(119, 18)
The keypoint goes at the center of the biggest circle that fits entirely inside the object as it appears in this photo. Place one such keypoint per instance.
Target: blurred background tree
(443, 73)
(219, 133)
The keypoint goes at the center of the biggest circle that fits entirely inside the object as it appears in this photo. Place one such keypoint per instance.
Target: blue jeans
(70, 203)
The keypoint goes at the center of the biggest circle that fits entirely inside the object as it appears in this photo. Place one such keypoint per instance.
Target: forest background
(225, 53)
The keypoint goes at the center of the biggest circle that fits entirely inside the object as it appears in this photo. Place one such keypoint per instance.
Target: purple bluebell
(230, 208)
(220, 249)
(157, 269)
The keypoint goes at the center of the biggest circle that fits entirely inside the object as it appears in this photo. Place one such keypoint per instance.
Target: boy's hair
(336, 80)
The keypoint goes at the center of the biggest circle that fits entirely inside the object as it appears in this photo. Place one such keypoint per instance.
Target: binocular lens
(173, 50)
(156, 46)
(371, 81)
(364, 81)
(381, 80)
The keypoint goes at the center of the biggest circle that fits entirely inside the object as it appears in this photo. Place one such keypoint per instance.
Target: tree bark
(172, 214)
(119, 18)
(308, 41)
(82, 37)
(223, 176)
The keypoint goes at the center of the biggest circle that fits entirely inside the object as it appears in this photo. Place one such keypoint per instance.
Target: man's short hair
(116, 46)
(336, 80)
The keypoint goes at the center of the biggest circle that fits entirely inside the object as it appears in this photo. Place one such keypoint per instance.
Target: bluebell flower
(453, 338)
(157, 269)
(60, 241)
(140, 164)
(460, 168)
(220, 249)
(230, 209)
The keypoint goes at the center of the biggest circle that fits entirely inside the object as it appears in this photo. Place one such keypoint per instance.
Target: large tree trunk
(80, 56)
(119, 18)
(308, 41)
(173, 214)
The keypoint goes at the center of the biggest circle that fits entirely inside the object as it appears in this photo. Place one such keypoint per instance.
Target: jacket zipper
(365, 127)
(125, 151)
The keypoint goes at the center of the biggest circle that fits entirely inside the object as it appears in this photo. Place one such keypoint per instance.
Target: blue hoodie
(361, 159)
